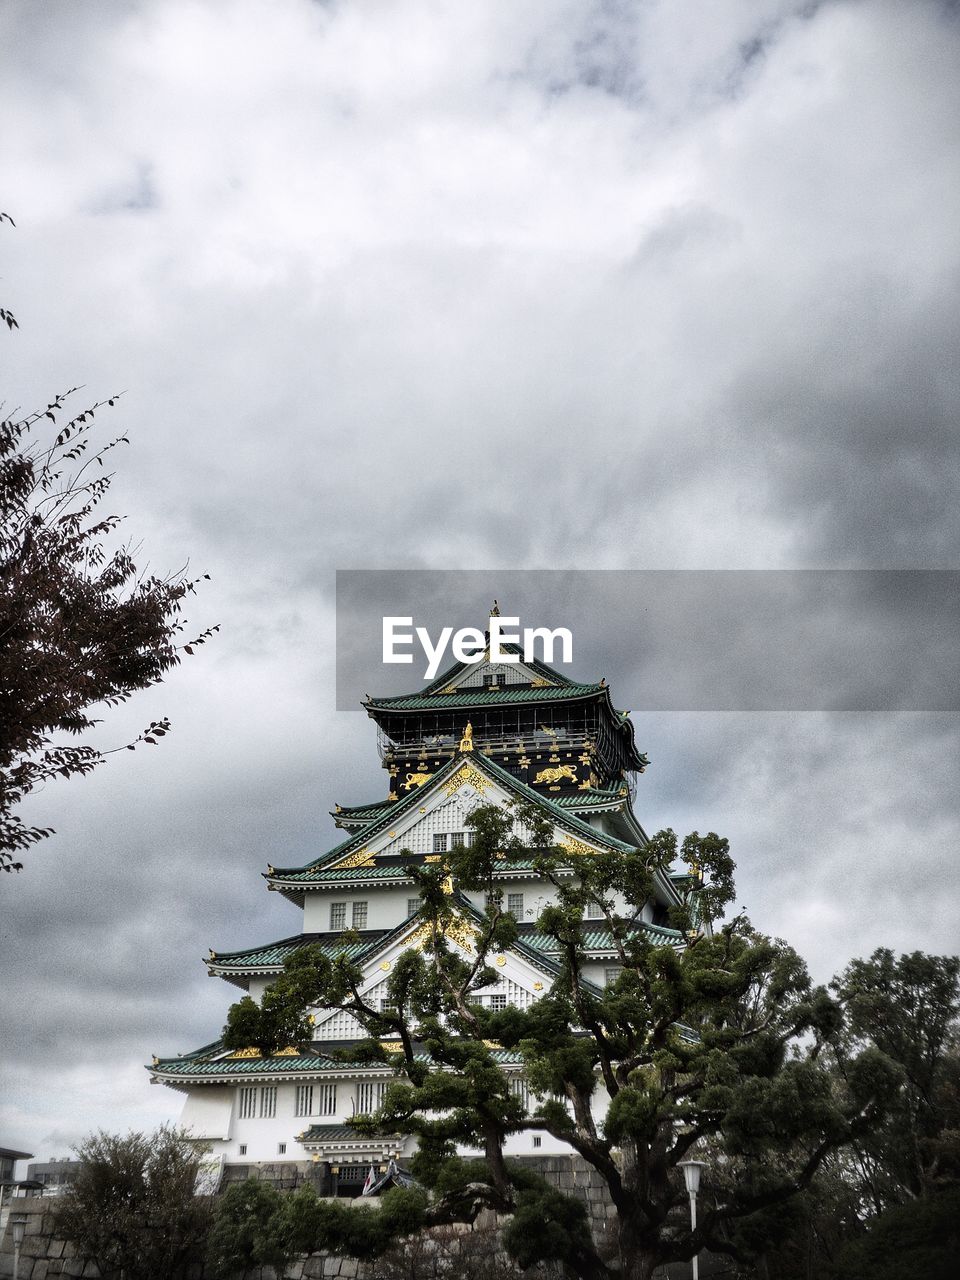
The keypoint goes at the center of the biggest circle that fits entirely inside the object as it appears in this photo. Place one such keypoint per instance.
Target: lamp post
(17, 1226)
(692, 1170)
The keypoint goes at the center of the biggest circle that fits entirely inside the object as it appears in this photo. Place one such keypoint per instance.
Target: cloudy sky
(534, 284)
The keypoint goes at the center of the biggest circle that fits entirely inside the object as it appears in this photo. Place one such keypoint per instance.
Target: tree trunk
(637, 1260)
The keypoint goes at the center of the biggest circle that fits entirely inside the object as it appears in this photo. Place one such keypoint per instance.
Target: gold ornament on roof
(291, 1051)
(540, 683)
(249, 1052)
(456, 929)
(495, 610)
(538, 986)
(359, 858)
(465, 775)
(578, 847)
(466, 742)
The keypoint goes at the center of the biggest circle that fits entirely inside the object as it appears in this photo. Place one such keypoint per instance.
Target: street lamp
(17, 1226)
(692, 1170)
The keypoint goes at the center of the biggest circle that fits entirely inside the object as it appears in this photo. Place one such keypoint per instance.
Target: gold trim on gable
(466, 774)
(577, 847)
(455, 930)
(359, 858)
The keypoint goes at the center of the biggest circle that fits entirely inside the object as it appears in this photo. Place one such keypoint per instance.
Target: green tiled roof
(273, 954)
(600, 939)
(589, 799)
(217, 1068)
(319, 876)
(476, 696)
(337, 1133)
(221, 1067)
(365, 811)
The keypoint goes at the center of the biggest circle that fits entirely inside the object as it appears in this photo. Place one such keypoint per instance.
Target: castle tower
(480, 734)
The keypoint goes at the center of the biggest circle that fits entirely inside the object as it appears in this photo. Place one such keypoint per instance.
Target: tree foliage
(248, 1230)
(713, 1045)
(908, 1007)
(81, 626)
(131, 1208)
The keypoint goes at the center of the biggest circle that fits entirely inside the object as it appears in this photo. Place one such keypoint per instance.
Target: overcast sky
(511, 284)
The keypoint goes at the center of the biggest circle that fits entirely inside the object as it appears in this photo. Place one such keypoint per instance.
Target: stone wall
(43, 1255)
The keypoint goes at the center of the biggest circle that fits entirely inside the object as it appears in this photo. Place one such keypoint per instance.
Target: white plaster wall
(206, 1106)
(207, 1113)
(386, 908)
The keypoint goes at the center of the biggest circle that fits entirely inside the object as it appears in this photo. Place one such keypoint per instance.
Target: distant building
(53, 1175)
(8, 1162)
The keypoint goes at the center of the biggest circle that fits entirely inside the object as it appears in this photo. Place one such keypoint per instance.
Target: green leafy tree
(919, 1239)
(131, 1209)
(81, 626)
(909, 1008)
(717, 1043)
(249, 1230)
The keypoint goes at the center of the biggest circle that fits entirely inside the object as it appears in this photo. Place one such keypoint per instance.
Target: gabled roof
(574, 827)
(578, 802)
(540, 669)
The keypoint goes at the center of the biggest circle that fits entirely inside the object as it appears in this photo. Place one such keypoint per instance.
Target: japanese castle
(482, 733)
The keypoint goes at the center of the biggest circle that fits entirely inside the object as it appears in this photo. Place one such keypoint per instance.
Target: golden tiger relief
(556, 774)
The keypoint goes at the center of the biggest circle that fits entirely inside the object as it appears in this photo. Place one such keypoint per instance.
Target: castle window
(593, 911)
(268, 1101)
(243, 1148)
(497, 1002)
(370, 1095)
(413, 906)
(611, 975)
(515, 905)
(537, 1140)
(248, 1103)
(461, 837)
(326, 1100)
(281, 1148)
(440, 843)
(492, 680)
(359, 915)
(338, 915)
(520, 1090)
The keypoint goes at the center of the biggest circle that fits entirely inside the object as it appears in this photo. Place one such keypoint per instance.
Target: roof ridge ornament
(466, 742)
(494, 610)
